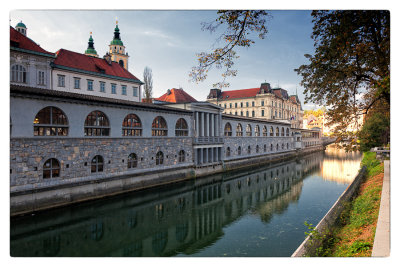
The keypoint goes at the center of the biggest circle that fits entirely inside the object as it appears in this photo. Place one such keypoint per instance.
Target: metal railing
(208, 140)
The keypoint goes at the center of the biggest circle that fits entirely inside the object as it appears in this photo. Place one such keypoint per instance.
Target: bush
(373, 131)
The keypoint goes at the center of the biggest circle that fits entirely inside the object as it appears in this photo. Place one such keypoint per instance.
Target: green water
(258, 212)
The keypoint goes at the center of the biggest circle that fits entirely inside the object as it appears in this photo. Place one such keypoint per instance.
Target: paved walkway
(381, 246)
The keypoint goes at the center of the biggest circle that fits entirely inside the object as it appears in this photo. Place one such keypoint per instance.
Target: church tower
(21, 28)
(117, 49)
(90, 51)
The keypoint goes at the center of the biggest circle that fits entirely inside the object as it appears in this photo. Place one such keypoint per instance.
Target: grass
(355, 232)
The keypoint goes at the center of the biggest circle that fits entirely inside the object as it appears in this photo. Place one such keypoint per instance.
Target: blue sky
(167, 41)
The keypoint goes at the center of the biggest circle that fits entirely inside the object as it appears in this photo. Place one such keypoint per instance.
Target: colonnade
(207, 155)
(208, 124)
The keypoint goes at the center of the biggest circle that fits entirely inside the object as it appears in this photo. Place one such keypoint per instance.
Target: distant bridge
(328, 140)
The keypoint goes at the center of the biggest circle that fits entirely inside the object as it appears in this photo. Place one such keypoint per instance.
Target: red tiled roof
(232, 94)
(176, 96)
(79, 61)
(19, 40)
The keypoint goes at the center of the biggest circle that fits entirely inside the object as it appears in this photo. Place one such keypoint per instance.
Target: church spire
(90, 51)
(117, 49)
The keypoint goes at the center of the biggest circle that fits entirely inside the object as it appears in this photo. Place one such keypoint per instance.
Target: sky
(167, 41)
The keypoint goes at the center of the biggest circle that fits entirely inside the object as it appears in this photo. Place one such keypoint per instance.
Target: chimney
(107, 58)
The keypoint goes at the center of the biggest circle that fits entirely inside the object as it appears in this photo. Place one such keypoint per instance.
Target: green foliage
(374, 128)
(352, 53)
(359, 246)
(239, 25)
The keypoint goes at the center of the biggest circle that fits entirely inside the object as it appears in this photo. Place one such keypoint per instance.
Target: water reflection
(179, 219)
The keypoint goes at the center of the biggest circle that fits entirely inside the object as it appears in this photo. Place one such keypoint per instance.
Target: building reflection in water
(340, 166)
(178, 219)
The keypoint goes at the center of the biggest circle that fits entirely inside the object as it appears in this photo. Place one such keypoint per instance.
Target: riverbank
(354, 232)
(28, 200)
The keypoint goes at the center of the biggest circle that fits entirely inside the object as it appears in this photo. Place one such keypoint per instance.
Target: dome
(21, 25)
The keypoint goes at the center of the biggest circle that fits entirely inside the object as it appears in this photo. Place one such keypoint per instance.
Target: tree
(374, 132)
(349, 72)
(148, 84)
(240, 24)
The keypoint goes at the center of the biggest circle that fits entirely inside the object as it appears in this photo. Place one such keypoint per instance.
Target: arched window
(228, 129)
(249, 150)
(97, 124)
(132, 161)
(159, 158)
(50, 121)
(228, 152)
(239, 130)
(181, 156)
(18, 74)
(277, 131)
(271, 131)
(121, 63)
(97, 164)
(257, 130)
(248, 130)
(159, 127)
(265, 131)
(131, 126)
(283, 132)
(277, 147)
(287, 132)
(257, 149)
(239, 150)
(181, 128)
(265, 148)
(51, 168)
(272, 147)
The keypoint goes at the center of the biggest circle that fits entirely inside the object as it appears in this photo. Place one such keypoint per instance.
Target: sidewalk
(381, 246)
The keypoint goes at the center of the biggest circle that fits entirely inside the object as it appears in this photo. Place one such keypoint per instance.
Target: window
(50, 121)
(159, 127)
(159, 158)
(230, 105)
(235, 105)
(181, 128)
(262, 103)
(248, 150)
(228, 152)
(247, 113)
(248, 130)
(283, 146)
(224, 105)
(287, 145)
(239, 150)
(277, 131)
(247, 104)
(253, 113)
(241, 113)
(97, 164)
(123, 87)
(132, 161)
(61, 80)
(287, 131)
(257, 149)
(97, 124)
(265, 148)
(241, 104)
(18, 74)
(257, 130)
(272, 147)
(181, 156)
(90, 85)
(131, 126)
(77, 83)
(283, 132)
(113, 88)
(239, 130)
(271, 131)
(228, 129)
(252, 104)
(262, 113)
(277, 147)
(265, 131)
(41, 80)
(102, 87)
(135, 91)
(51, 168)
(235, 112)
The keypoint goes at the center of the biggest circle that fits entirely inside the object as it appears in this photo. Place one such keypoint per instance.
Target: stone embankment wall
(309, 245)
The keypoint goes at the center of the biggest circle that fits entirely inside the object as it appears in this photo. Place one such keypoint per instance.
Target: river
(249, 213)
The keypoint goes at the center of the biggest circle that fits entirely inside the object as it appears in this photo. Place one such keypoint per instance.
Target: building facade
(263, 102)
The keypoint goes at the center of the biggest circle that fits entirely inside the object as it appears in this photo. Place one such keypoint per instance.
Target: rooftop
(176, 96)
(20, 41)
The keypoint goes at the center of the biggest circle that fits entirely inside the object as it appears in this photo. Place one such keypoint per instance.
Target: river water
(251, 213)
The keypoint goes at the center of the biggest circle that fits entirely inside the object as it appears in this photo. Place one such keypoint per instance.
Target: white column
(197, 124)
(202, 123)
(201, 156)
(212, 125)
(206, 125)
